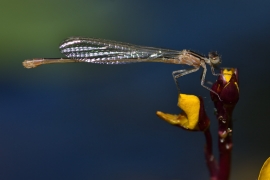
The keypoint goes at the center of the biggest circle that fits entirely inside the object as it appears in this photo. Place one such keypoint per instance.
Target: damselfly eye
(214, 58)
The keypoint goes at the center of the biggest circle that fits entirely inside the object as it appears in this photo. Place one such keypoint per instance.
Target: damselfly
(93, 50)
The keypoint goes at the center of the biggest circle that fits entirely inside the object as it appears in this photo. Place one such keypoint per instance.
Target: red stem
(225, 141)
(229, 93)
(209, 156)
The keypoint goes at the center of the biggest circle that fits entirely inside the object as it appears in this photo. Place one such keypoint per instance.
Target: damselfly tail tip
(31, 63)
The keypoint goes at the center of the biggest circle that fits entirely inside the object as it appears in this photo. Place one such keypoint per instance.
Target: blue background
(89, 121)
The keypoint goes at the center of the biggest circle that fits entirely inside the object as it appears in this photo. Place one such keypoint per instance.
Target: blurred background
(90, 121)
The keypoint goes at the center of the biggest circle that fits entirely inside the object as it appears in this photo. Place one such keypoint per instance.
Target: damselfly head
(215, 59)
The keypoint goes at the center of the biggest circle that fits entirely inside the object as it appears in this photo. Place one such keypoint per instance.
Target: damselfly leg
(177, 74)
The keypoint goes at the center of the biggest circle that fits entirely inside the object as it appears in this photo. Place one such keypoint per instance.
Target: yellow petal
(227, 74)
(170, 118)
(265, 171)
(190, 104)
(189, 118)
